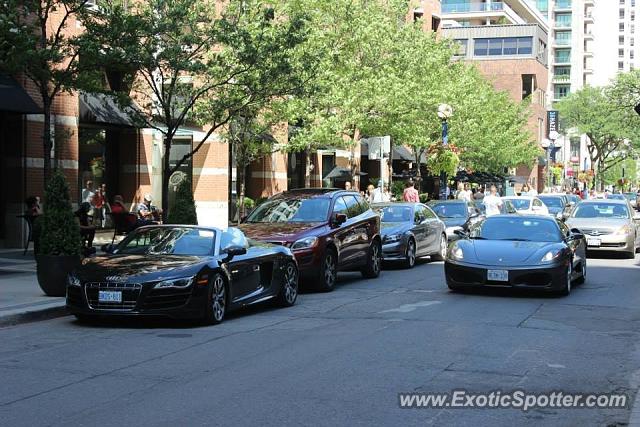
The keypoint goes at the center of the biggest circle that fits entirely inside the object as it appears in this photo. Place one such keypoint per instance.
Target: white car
(529, 205)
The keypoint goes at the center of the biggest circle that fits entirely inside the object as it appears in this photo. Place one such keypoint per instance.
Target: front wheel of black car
(216, 301)
(410, 254)
(328, 271)
(289, 291)
(566, 290)
(374, 261)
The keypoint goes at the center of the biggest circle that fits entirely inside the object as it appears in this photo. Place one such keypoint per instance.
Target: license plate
(109, 296)
(498, 275)
(593, 242)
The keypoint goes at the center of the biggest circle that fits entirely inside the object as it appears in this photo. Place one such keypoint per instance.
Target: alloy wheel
(290, 284)
(411, 253)
(218, 299)
(375, 259)
(329, 270)
(443, 247)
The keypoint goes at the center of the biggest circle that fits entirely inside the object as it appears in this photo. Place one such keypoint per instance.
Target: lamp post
(445, 112)
(549, 144)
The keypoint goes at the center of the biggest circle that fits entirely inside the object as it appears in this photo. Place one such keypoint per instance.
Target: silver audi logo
(116, 278)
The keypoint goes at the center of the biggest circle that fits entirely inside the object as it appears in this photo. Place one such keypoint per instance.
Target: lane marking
(556, 365)
(407, 308)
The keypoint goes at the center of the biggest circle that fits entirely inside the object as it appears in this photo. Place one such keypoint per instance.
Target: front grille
(166, 298)
(613, 245)
(130, 294)
(596, 232)
(467, 276)
(533, 279)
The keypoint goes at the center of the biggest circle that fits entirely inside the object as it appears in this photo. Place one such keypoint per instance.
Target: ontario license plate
(109, 296)
(498, 275)
(593, 242)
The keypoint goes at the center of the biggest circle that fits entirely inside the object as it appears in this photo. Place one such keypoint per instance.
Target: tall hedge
(59, 232)
(184, 208)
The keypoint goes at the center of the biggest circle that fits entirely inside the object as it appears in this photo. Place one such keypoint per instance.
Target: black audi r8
(518, 251)
(182, 271)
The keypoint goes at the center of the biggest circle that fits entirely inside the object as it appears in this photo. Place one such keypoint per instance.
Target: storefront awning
(103, 109)
(14, 99)
(400, 152)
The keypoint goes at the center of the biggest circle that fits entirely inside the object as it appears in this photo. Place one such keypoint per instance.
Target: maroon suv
(327, 229)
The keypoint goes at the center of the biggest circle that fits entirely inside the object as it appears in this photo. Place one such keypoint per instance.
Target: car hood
(120, 268)
(597, 223)
(388, 228)
(504, 252)
(287, 232)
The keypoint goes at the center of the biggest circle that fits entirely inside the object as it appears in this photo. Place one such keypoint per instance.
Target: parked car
(573, 199)
(456, 214)
(410, 230)
(528, 205)
(327, 229)
(182, 272)
(609, 225)
(557, 204)
(517, 251)
(632, 198)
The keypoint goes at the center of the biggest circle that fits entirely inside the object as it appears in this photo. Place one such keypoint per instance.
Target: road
(336, 359)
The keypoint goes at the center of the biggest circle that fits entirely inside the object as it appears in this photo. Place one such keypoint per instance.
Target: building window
(631, 41)
(528, 85)
(562, 55)
(562, 73)
(633, 15)
(621, 13)
(620, 65)
(503, 46)
(620, 39)
(563, 38)
(563, 19)
(622, 2)
(631, 54)
(620, 53)
(574, 149)
(621, 26)
(561, 91)
(462, 47)
(417, 15)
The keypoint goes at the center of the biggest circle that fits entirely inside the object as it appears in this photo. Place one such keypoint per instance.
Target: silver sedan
(608, 225)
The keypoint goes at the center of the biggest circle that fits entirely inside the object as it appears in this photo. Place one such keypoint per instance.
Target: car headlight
(391, 238)
(183, 282)
(73, 280)
(550, 256)
(306, 243)
(625, 229)
(457, 253)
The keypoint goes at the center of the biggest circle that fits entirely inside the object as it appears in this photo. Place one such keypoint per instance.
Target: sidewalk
(21, 299)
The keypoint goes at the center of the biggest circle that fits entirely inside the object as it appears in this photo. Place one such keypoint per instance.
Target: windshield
(518, 229)
(616, 197)
(630, 196)
(553, 202)
(168, 241)
(450, 210)
(520, 204)
(395, 213)
(601, 210)
(292, 210)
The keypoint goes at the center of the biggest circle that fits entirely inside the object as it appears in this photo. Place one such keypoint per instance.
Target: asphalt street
(336, 359)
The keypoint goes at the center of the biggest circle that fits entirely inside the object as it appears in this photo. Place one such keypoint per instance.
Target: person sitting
(87, 231)
(147, 214)
(33, 206)
(118, 208)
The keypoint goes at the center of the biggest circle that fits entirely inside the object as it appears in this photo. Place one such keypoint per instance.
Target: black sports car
(520, 251)
(183, 272)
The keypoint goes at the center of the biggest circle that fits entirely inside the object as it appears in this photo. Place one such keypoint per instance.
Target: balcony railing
(472, 7)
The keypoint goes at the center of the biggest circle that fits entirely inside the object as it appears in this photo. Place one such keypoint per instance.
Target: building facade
(508, 41)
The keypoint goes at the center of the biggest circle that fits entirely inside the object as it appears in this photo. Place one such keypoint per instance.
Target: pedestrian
(87, 230)
(99, 206)
(464, 194)
(410, 194)
(147, 213)
(87, 192)
(347, 185)
(479, 195)
(378, 193)
(369, 195)
(492, 202)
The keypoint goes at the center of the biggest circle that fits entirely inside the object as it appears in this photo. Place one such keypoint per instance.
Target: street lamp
(445, 111)
(549, 145)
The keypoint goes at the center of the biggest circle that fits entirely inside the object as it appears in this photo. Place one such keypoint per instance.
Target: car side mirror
(233, 251)
(576, 236)
(339, 219)
(109, 248)
(461, 233)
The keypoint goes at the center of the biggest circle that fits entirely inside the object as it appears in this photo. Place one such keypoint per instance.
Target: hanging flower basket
(623, 181)
(443, 159)
(585, 177)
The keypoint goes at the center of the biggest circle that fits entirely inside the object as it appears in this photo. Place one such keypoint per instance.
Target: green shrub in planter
(184, 208)
(397, 189)
(424, 197)
(249, 203)
(59, 238)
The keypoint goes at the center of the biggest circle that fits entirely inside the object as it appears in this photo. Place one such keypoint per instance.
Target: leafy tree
(39, 39)
(58, 230)
(190, 63)
(184, 208)
(612, 131)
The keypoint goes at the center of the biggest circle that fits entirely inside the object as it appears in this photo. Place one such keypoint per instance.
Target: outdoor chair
(123, 223)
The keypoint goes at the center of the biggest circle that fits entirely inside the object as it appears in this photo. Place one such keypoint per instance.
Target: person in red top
(410, 193)
(117, 207)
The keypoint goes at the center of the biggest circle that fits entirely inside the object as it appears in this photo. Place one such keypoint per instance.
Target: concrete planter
(53, 271)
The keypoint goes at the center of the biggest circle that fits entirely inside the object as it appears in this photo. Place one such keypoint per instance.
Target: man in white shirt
(492, 202)
(465, 194)
(88, 193)
(378, 193)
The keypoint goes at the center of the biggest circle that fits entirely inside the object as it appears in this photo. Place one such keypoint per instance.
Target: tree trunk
(166, 173)
(307, 172)
(46, 138)
(240, 189)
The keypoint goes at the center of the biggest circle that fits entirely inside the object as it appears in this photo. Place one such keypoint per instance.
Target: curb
(34, 315)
